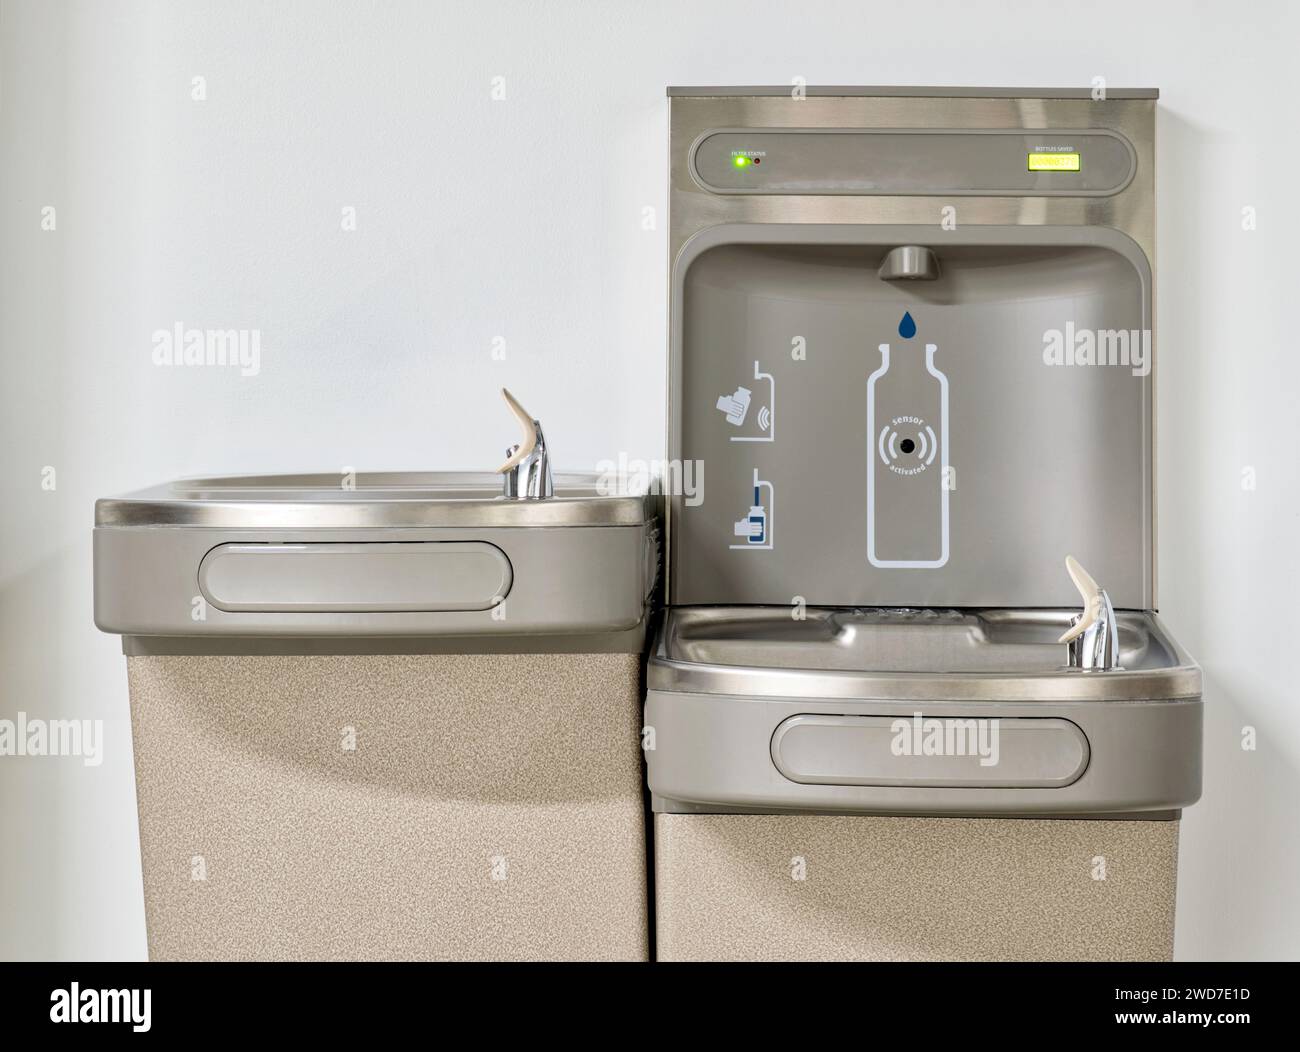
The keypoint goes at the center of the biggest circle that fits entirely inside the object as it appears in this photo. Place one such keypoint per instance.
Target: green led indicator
(740, 162)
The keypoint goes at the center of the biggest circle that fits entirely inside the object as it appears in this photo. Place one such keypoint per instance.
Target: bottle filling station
(910, 337)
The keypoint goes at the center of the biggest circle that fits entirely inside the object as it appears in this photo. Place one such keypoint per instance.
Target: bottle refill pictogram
(907, 456)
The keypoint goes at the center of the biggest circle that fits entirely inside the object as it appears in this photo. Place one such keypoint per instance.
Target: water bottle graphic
(907, 460)
(756, 527)
(757, 521)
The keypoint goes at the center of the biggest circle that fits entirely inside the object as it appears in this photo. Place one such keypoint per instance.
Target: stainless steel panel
(972, 752)
(692, 208)
(592, 581)
(989, 521)
(954, 163)
(1129, 213)
(904, 91)
(713, 752)
(367, 577)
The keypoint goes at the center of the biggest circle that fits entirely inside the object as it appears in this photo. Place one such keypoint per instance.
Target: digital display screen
(1053, 162)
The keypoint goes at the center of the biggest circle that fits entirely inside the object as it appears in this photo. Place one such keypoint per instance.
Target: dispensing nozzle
(909, 263)
(1093, 635)
(527, 469)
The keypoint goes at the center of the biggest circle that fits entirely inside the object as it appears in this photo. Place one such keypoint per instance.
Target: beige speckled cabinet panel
(900, 889)
(491, 808)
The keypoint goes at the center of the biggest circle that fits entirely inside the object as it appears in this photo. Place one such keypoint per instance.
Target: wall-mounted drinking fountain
(386, 716)
(895, 720)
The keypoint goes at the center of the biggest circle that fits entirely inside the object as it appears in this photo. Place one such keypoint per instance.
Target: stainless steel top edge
(1171, 685)
(374, 500)
(910, 91)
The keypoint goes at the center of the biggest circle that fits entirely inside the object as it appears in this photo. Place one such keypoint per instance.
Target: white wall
(523, 219)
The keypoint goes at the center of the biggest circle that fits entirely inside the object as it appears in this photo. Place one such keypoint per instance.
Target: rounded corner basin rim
(883, 642)
(901, 656)
(411, 499)
(1178, 683)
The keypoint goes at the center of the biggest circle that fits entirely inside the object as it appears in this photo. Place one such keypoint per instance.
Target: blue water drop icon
(907, 327)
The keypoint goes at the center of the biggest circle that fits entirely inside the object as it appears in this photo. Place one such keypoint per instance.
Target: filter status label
(1054, 162)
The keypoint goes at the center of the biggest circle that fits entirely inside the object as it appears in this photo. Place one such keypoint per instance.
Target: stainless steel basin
(756, 711)
(377, 555)
(909, 653)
